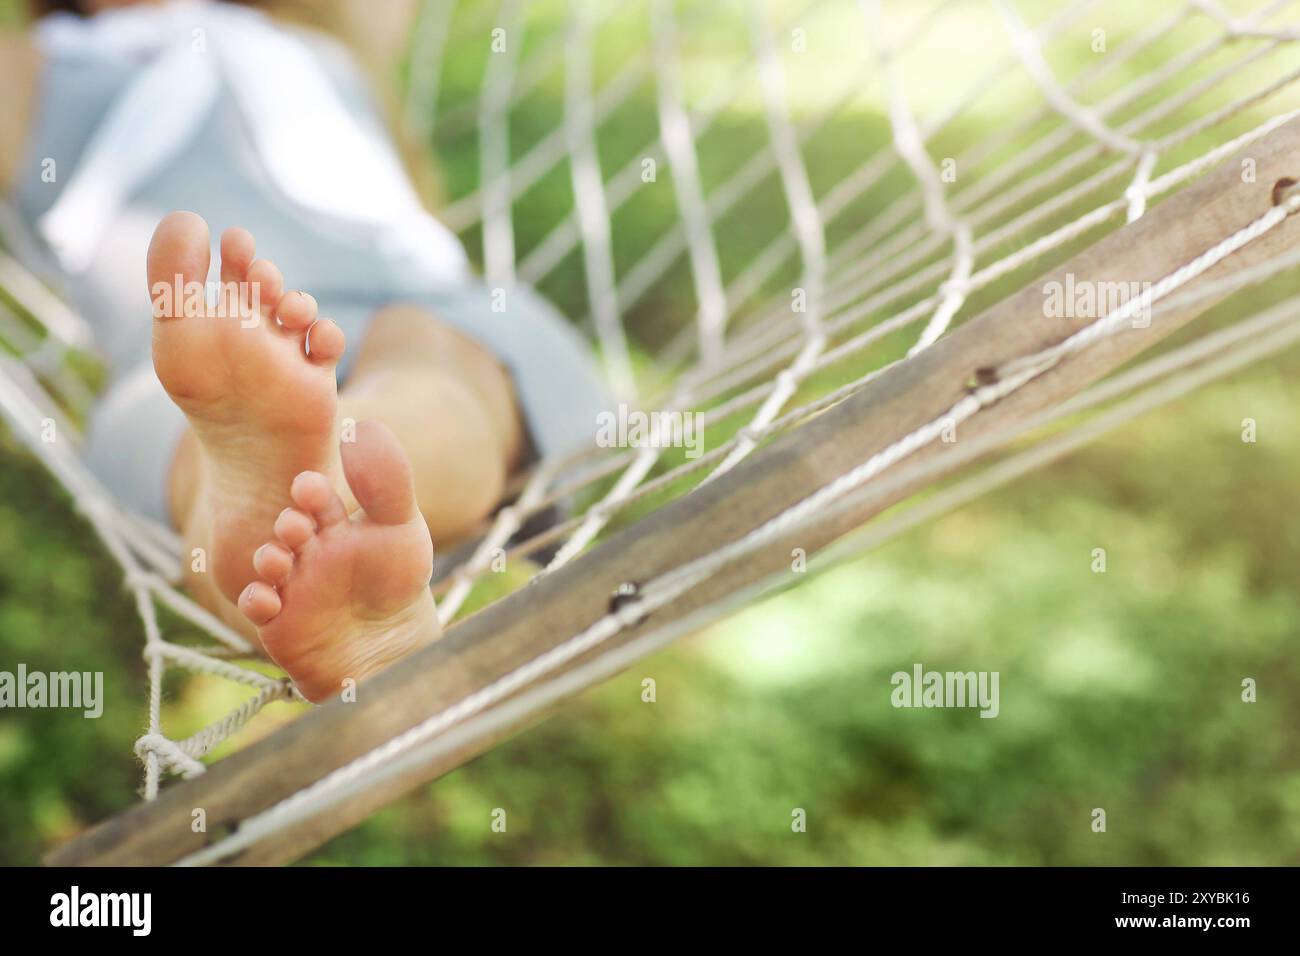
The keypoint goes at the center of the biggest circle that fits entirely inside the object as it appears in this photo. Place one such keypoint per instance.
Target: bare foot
(340, 597)
(255, 377)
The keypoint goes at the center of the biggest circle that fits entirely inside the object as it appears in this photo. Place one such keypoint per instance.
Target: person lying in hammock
(311, 475)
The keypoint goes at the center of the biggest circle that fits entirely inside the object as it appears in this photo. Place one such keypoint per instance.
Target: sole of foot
(339, 597)
(254, 374)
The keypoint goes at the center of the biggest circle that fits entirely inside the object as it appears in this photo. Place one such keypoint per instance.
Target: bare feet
(341, 597)
(255, 377)
(332, 597)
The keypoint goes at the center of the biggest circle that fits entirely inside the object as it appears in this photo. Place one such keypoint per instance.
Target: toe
(259, 602)
(178, 258)
(313, 493)
(325, 342)
(379, 474)
(296, 311)
(294, 528)
(272, 562)
(237, 249)
(265, 286)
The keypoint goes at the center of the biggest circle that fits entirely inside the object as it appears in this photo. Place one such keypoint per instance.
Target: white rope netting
(885, 255)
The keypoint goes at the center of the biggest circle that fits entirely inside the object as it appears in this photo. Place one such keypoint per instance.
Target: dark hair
(39, 8)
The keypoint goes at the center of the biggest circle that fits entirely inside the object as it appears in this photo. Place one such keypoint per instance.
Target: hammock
(851, 359)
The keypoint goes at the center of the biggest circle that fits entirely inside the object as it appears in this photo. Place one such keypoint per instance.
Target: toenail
(248, 593)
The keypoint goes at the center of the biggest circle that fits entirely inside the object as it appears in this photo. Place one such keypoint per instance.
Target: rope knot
(954, 288)
(152, 650)
(133, 579)
(169, 755)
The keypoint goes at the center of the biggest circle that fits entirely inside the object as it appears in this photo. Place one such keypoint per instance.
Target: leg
(452, 408)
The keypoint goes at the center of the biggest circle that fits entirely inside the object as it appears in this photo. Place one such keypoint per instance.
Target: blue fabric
(133, 433)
